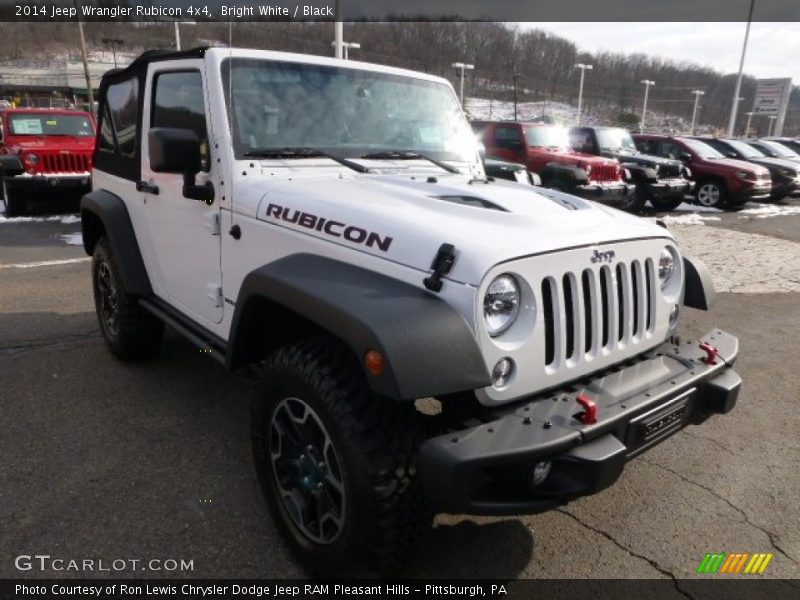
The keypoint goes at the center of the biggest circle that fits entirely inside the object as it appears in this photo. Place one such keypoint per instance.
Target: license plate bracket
(658, 423)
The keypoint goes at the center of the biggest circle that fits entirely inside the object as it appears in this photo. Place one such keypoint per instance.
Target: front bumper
(51, 182)
(487, 469)
(758, 191)
(672, 188)
(604, 191)
(784, 187)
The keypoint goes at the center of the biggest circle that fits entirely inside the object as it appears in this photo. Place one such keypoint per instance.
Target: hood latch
(442, 264)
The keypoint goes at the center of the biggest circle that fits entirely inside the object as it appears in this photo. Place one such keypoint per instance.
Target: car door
(185, 233)
(507, 143)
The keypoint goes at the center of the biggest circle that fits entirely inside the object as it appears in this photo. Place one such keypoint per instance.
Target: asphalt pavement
(105, 460)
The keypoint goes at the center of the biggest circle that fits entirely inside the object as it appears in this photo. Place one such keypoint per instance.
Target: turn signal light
(374, 362)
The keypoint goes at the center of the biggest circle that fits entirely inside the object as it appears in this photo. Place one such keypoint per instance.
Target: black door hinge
(442, 264)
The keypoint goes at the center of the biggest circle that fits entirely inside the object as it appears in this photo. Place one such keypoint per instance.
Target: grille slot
(66, 163)
(606, 307)
(603, 173)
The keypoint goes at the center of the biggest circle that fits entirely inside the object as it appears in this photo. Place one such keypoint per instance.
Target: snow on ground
(688, 206)
(770, 210)
(743, 262)
(690, 219)
(63, 219)
(72, 239)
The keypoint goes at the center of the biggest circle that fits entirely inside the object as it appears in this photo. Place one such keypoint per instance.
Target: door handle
(149, 188)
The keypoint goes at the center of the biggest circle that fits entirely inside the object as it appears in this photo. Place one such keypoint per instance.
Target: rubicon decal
(739, 562)
(351, 233)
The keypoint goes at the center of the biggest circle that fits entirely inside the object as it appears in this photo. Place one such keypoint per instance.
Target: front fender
(699, 287)
(429, 348)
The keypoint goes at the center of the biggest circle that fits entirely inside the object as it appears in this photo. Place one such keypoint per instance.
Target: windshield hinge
(442, 264)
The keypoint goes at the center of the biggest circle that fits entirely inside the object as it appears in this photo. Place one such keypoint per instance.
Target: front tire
(130, 332)
(710, 193)
(336, 463)
(13, 200)
(666, 204)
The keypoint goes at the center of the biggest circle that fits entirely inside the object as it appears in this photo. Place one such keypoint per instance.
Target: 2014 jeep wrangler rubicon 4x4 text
(424, 338)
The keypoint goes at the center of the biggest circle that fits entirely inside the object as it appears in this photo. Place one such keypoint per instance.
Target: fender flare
(104, 212)
(567, 174)
(699, 292)
(11, 165)
(428, 346)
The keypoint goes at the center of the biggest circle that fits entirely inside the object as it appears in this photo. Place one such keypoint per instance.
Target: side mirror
(730, 154)
(685, 157)
(178, 151)
(174, 151)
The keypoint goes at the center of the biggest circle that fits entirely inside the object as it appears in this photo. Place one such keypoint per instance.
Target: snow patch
(63, 219)
(72, 239)
(690, 219)
(771, 210)
(688, 207)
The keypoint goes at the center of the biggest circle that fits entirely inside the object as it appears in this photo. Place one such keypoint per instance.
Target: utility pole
(346, 46)
(338, 31)
(462, 66)
(89, 92)
(113, 42)
(514, 75)
(583, 69)
(697, 94)
(178, 32)
(647, 83)
(747, 127)
(735, 106)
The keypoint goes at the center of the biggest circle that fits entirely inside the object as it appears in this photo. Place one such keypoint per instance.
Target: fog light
(540, 471)
(502, 372)
(674, 313)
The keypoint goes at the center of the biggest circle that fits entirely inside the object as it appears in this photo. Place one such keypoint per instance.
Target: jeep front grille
(604, 173)
(597, 311)
(670, 172)
(66, 163)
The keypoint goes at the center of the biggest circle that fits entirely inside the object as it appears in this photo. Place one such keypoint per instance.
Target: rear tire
(633, 203)
(130, 332)
(336, 463)
(710, 193)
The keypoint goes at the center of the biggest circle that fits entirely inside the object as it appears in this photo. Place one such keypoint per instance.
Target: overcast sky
(772, 51)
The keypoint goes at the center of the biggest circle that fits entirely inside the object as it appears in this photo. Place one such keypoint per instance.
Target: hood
(774, 163)
(406, 220)
(732, 163)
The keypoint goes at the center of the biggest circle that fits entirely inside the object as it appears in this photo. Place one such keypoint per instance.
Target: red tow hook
(711, 353)
(589, 414)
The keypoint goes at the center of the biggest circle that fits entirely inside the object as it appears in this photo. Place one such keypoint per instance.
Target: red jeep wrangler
(44, 151)
(545, 150)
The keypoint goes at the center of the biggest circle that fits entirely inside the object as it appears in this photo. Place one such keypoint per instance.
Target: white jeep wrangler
(327, 227)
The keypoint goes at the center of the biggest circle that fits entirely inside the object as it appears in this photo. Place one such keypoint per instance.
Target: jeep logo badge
(601, 257)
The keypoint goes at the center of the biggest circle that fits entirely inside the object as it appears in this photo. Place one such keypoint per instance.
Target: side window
(507, 137)
(178, 102)
(123, 103)
(581, 140)
(670, 150)
(106, 132)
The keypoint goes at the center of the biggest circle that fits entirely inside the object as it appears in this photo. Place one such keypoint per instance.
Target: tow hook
(711, 353)
(589, 414)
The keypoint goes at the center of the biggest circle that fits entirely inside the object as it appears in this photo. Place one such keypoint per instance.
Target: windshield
(777, 149)
(346, 112)
(33, 124)
(546, 136)
(615, 140)
(702, 149)
(745, 150)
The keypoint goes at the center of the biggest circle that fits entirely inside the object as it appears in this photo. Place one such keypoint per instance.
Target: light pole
(697, 94)
(113, 42)
(345, 47)
(583, 69)
(89, 92)
(462, 66)
(647, 83)
(771, 123)
(178, 32)
(747, 127)
(735, 106)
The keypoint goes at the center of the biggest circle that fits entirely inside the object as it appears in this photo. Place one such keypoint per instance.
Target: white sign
(771, 96)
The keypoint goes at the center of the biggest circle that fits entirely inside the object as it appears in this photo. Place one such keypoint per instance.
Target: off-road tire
(666, 204)
(130, 332)
(633, 203)
(13, 200)
(704, 193)
(375, 442)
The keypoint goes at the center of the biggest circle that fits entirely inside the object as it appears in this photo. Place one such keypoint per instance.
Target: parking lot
(116, 461)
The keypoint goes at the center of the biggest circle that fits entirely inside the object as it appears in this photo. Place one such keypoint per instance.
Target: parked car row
(44, 152)
(629, 171)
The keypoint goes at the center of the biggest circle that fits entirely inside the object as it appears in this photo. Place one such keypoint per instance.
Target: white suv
(327, 227)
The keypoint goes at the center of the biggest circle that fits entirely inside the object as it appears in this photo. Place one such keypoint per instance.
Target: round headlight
(501, 304)
(31, 159)
(666, 266)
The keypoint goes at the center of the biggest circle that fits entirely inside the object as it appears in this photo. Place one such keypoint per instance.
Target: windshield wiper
(410, 155)
(304, 153)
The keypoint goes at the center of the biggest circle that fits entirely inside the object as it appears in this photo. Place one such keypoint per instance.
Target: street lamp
(771, 123)
(462, 66)
(583, 69)
(178, 32)
(738, 87)
(647, 83)
(747, 127)
(113, 42)
(345, 47)
(697, 94)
